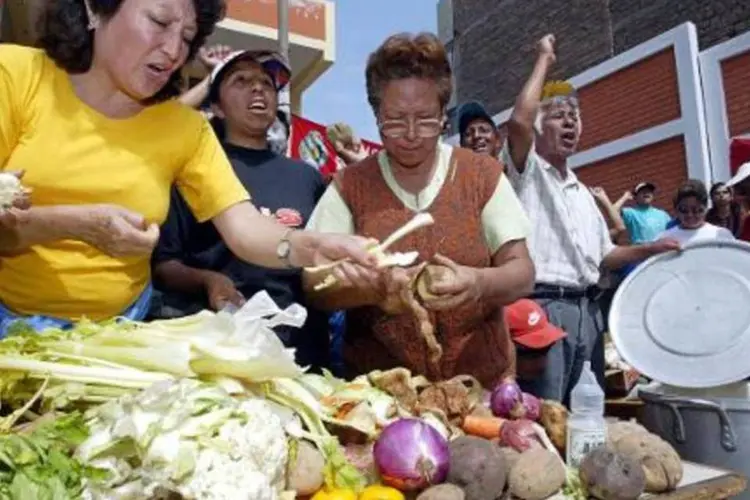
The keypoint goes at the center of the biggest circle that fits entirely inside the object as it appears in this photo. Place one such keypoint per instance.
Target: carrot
(486, 427)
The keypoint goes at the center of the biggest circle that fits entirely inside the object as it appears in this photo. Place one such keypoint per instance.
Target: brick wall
(662, 163)
(736, 75)
(640, 96)
(636, 21)
(494, 39)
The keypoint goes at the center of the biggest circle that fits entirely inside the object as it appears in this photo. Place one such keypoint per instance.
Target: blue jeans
(136, 312)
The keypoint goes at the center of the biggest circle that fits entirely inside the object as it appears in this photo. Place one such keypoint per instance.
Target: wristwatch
(284, 248)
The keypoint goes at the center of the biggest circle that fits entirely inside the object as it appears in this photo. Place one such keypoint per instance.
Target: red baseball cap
(529, 326)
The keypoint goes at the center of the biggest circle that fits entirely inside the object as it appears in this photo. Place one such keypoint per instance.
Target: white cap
(742, 173)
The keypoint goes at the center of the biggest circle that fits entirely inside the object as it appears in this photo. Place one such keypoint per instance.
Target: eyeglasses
(683, 210)
(425, 128)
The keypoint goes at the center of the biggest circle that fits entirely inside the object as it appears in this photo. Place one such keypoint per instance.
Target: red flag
(309, 142)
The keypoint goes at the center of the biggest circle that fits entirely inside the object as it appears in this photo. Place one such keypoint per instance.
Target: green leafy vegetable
(37, 463)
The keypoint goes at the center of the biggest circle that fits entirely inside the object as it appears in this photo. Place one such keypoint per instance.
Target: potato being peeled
(428, 277)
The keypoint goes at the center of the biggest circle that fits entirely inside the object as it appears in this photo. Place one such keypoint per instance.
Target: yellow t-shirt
(74, 155)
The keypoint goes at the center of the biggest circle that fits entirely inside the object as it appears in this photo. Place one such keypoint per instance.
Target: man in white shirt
(570, 241)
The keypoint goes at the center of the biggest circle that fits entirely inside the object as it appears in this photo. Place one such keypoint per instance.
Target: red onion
(506, 400)
(411, 455)
(532, 406)
(519, 435)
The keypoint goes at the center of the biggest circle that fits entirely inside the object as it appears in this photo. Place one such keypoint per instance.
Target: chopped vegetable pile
(213, 407)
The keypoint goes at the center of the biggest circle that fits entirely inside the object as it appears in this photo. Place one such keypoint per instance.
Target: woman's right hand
(388, 284)
(117, 231)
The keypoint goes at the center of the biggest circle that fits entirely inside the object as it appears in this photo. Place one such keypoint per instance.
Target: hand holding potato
(458, 287)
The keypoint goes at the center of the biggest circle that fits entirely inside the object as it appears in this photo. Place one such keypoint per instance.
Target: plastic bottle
(587, 428)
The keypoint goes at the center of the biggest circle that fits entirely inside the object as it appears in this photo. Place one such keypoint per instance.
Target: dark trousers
(580, 316)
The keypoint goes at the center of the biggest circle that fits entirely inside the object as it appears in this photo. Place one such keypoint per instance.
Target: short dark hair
(407, 56)
(693, 188)
(65, 36)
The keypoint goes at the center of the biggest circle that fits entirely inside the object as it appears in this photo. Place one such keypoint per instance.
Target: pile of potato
(482, 470)
(633, 462)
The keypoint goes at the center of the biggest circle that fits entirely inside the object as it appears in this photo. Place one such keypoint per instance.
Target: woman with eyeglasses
(691, 206)
(480, 230)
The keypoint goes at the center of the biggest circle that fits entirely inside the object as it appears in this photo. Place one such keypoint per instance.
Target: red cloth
(745, 233)
(309, 142)
(739, 153)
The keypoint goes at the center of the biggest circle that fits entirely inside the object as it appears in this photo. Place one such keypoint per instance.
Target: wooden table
(700, 482)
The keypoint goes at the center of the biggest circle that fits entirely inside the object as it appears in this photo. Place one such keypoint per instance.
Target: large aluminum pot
(708, 429)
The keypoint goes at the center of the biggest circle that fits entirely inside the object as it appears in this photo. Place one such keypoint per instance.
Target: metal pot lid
(683, 319)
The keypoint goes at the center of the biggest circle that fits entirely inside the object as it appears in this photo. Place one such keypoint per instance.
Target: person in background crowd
(99, 93)
(570, 242)
(691, 205)
(196, 97)
(210, 57)
(643, 221)
(610, 280)
(279, 133)
(618, 232)
(477, 130)
(409, 83)
(192, 265)
(725, 211)
(740, 183)
(346, 143)
(533, 335)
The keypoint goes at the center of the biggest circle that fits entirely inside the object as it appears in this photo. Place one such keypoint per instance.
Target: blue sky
(361, 25)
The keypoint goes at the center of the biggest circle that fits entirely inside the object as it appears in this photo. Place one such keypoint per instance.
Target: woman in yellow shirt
(91, 121)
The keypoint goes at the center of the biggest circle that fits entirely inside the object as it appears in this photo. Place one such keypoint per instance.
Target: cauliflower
(186, 437)
(10, 189)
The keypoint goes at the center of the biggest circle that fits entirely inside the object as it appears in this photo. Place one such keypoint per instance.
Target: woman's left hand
(462, 288)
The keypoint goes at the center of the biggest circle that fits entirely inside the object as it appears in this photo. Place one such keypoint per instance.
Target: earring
(93, 20)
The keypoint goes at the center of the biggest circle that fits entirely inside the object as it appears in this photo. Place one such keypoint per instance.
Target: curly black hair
(65, 37)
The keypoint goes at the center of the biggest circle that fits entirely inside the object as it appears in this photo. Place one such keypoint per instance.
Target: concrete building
(492, 41)
(659, 102)
(248, 24)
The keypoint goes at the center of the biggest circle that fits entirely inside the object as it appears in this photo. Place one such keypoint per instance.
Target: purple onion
(532, 406)
(506, 400)
(411, 455)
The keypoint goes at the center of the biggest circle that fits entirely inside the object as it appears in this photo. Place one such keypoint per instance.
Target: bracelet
(284, 248)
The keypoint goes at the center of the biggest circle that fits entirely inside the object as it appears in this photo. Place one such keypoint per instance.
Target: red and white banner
(309, 142)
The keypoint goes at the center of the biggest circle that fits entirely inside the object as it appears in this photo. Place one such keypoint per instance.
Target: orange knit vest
(475, 338)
